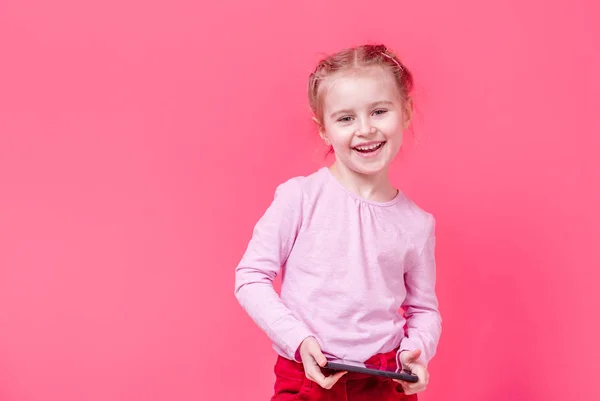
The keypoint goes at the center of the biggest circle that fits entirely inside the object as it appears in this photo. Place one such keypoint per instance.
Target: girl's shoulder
(420, 220)
(301, 184)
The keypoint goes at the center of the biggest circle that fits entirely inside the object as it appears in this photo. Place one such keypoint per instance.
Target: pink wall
(140, 141)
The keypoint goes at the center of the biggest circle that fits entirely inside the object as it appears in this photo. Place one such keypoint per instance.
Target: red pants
(292, 385)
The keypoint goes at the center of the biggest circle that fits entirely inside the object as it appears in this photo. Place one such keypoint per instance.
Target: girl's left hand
(410, 361)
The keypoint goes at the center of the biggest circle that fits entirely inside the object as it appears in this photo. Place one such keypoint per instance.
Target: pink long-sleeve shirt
(348, 265)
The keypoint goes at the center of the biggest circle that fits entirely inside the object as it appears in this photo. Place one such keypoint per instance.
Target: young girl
(355, 252)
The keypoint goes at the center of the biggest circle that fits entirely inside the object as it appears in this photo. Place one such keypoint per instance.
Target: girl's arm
(267, 251)
(424, 323)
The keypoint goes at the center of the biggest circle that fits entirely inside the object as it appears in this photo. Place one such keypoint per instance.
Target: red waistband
(387, 359)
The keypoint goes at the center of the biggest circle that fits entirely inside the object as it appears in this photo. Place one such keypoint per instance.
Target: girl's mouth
(369, 148)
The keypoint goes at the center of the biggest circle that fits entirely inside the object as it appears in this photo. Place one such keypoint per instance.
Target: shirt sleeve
(424, 323)
(267, 251)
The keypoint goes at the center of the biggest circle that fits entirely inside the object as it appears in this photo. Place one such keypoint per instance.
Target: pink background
(140, 141)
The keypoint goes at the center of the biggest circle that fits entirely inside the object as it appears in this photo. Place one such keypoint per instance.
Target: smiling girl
(354, 249)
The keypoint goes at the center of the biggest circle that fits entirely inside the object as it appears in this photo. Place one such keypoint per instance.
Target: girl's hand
(313, 360)
(410, 361)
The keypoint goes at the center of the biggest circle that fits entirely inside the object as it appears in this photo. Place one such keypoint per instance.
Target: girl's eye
(345, 119)
(380, 111)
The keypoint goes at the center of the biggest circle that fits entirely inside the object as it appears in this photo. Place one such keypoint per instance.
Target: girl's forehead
(350, 87)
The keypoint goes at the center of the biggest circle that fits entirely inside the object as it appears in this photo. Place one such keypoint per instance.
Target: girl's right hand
(313, 360)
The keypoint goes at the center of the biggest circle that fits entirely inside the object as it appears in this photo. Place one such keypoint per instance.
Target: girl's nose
(365, 128)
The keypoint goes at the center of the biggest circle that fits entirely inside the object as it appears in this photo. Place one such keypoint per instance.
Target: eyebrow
(377, 103)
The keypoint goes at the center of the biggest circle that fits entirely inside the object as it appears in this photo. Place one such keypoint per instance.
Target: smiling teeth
(371, 147)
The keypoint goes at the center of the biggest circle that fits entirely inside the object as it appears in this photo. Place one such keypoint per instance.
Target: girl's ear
(407, 113)
(322, 133)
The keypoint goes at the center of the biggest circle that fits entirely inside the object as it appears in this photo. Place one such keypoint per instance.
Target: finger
(314, 373)
(329, 381)
(411, 388)
(410, 391)
(422, 374)
(404, 385)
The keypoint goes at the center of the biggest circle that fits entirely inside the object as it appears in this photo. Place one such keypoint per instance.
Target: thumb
(412, 356)
(416, 354)
(318, 355)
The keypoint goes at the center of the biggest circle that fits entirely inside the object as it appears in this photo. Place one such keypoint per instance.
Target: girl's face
(364, 116)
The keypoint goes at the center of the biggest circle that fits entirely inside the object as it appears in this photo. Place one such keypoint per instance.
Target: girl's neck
(377, 188)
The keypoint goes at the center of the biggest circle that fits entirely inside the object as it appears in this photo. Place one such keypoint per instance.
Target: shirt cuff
(296, 341)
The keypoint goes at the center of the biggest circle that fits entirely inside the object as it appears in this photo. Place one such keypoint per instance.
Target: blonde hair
(365, 56)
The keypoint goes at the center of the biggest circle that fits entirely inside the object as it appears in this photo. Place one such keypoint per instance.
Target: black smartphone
(358, 367)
